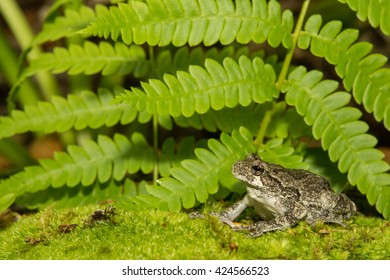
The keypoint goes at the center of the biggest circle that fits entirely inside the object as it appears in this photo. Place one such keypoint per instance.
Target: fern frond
(65, 26)
(193, 22)
(217, 86)
(195, 179)
(341, 133)
(77, 111)
(376, 11)
(363, 73)
(90, 59)
(101, 161)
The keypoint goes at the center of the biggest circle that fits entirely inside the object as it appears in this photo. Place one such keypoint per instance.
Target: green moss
(148, 234)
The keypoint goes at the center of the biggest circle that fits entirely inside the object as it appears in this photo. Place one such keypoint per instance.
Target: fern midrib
(201, 91)
(320, 38)
(178, 21)
(223, 85)
(208, 17)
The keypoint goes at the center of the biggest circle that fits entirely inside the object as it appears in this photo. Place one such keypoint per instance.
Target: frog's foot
(327, 219)
(220, 216)
(195, 215)
(223, 218)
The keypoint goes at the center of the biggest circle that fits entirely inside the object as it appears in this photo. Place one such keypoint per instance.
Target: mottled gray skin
(282, 197)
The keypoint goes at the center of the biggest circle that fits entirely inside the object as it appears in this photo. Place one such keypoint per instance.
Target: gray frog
(282, 197)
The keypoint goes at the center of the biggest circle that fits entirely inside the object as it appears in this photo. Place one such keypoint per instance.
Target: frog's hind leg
(326, 217)
(278, 223)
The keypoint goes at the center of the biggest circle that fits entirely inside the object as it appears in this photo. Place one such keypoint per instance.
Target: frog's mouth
(255, 184)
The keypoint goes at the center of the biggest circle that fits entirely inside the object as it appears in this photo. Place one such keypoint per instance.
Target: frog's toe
(227, 221)
(195, 215)
(255, 234)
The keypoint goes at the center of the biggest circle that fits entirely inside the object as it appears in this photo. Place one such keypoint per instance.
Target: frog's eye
(257, 170)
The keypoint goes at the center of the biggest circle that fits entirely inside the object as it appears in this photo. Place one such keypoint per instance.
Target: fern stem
(290, 52)
(155, 123)
(264, 124)
(282, 76)
(155, 148)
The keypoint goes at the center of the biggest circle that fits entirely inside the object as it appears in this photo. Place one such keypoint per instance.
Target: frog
(283, 197)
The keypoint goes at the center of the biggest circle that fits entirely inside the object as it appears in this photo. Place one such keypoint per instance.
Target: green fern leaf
(361, 72)
(108, 158)
(193, 22)
(65, 26)
(90, 59)
(196, 178)
(341, 133)
(77, 111)
(217, 86)
(376, 11)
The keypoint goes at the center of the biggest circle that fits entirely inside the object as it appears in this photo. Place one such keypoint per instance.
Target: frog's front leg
(228, 215)
(278, 223)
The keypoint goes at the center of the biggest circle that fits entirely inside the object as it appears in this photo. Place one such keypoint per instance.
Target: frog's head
(252, 170)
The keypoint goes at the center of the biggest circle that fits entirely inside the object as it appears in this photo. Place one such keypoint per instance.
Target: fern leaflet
(217, 86)
(341, 133)
(193, 22)
(361, 72)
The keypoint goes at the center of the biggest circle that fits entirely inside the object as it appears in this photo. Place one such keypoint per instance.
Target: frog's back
(304, 180)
